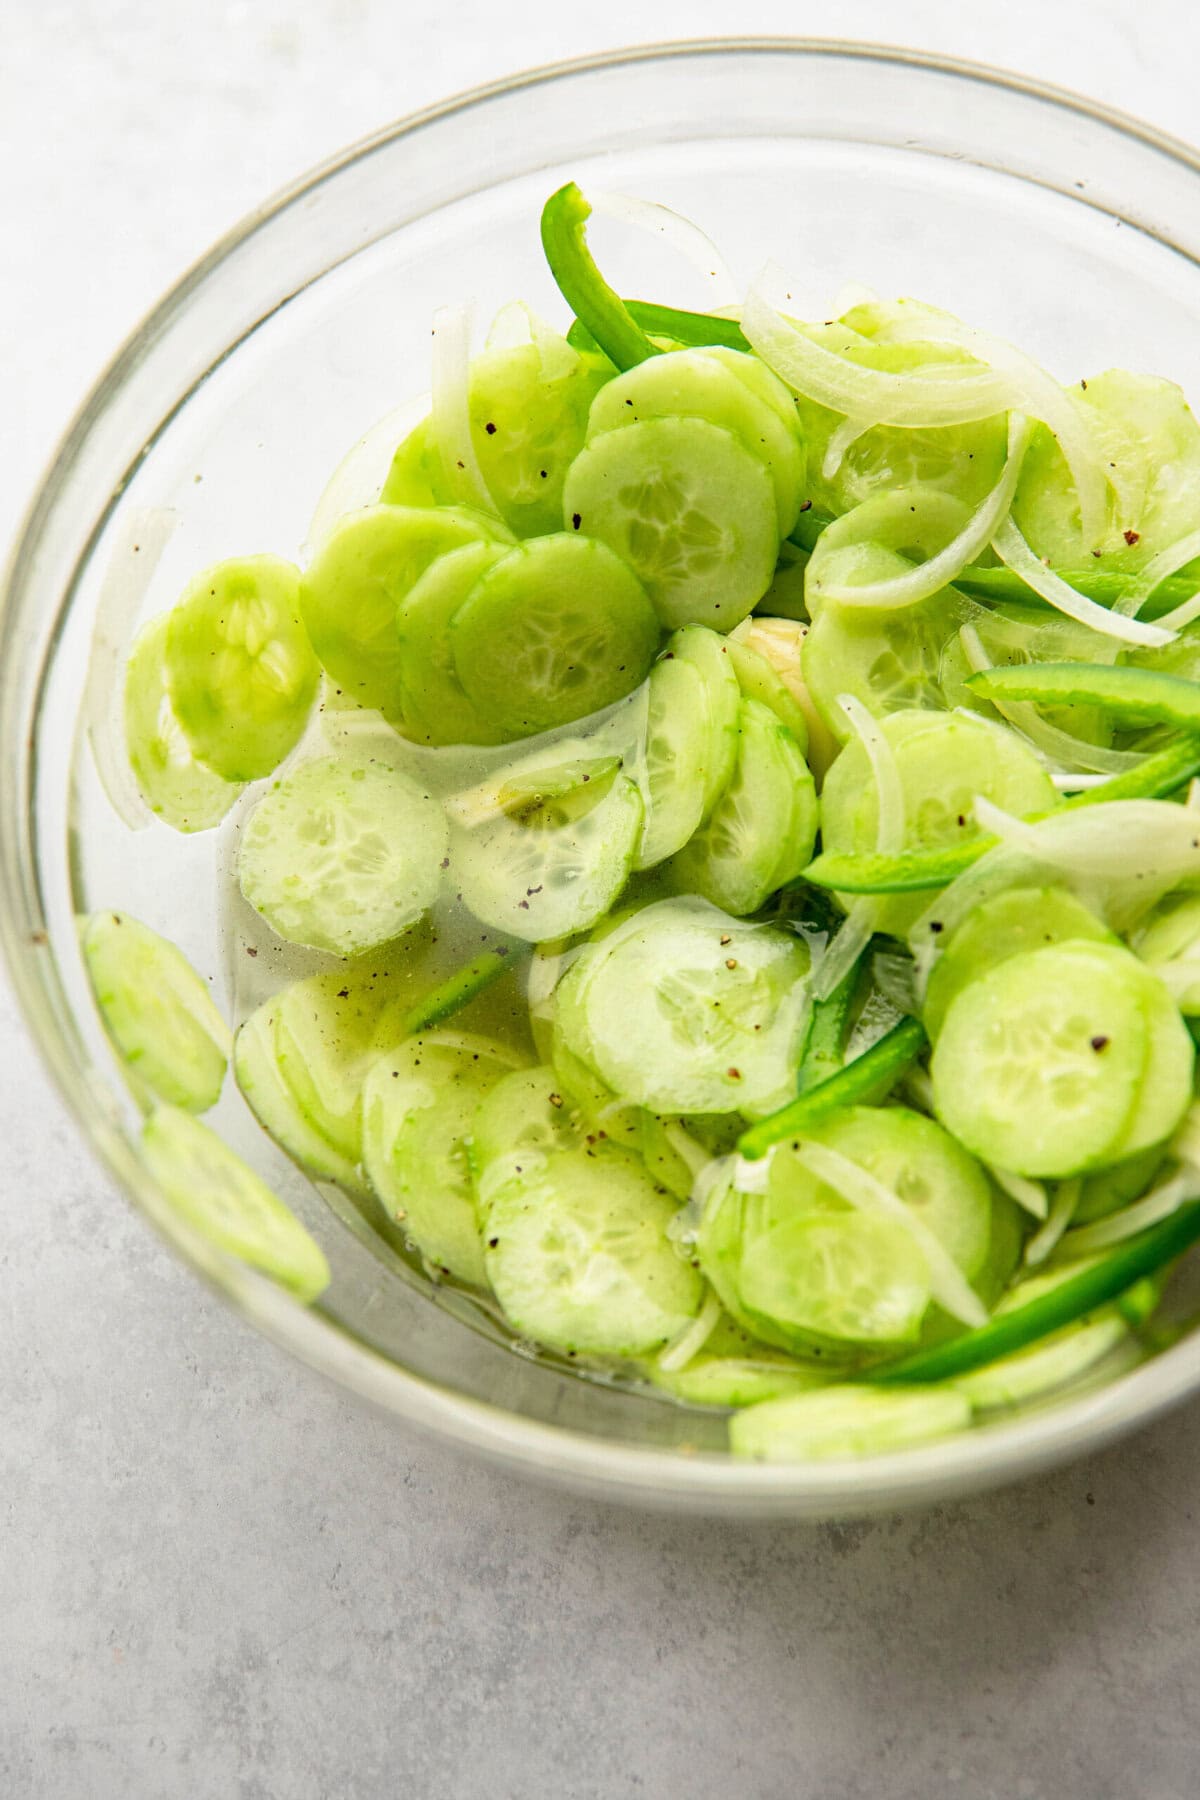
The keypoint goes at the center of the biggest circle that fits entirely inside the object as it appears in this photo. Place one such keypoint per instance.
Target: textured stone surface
(217, 1577)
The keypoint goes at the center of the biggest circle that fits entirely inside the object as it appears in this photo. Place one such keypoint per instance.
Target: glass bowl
(1067, 228)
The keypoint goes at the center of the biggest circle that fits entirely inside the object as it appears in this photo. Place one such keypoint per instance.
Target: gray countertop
(218, 1577)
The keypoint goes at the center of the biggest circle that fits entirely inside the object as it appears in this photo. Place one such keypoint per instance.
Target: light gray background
(218, 1577)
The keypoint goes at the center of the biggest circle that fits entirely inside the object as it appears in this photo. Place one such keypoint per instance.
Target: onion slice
(694, 245)
(358, 478)
(861, 1189)
(1071, 752)
(929, 577)
(450, 418)
(135, 556)
(1012, 549)
(1063, 1208)
(949, 394)
(1031, 1195)
(1158, 1204)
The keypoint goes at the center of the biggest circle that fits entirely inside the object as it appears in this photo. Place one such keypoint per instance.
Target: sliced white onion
(939, 571)
(1012, 549)
(949, 394)
(687, 238)
(855, 934)
(360, 475)
(1031, 1195)
(450, 418)
(1180, 978)
(861, 1189)
(1060, 746)
(1168, 562)
(1035, 391)
(1155, 1206)
(1062, 1210)
(1076, 784)
(692, 1339)
(135, 556)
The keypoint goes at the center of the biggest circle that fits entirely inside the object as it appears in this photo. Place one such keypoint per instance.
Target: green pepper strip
(825, 1051)
(453, 993)
(583, 287)
(916, 871)
(869, 1078)
(1144, 694)
(1101, 585)
(1071, 1300)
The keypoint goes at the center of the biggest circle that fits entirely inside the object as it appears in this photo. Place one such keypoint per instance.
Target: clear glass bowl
(1064, 227)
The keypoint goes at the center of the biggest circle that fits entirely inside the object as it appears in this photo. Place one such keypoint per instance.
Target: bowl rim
(609, 1468)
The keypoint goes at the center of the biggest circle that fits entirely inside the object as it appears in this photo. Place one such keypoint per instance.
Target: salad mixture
(718, 836)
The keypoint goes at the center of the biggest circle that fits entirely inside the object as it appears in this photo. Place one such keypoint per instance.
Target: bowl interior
(218, 427)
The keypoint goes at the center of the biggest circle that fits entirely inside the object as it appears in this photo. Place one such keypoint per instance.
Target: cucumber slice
(762, 832)
(578, 1256)
(845, 1421)
(1040, 1368)
(526, 1115)
(846, 1283)
(435, 707)
(329, 1032)
(342, 854)
(182, 792)
(1039, 1063)
(683, 1009)
(351, 595)
(240, 671)
(225, 1202)
(173, 1043)
(554, 869)
(708, 384)
(944, 761)
(707, 652)
(1006, 924)
(690, 510)
(758, 680)
(1172, 936)
(891, 661)
(557, 629)
(419, 1107)
(413, 473)
(528, 408)
(278, 1111)
(1150, 441)
(681, 746)
(1168, 1077)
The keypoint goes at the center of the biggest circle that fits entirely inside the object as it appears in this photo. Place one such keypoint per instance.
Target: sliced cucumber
(180, 790)
(1039, 1063)
(891, 661)
(172, 1041)
(1040, 1368)
(342, 853)
(707, 652)
(435, 707)
(681, 746)
(351, 595)
(845, 1422)
(414, 473)
(1006, 924)
(557, 629)
(735, 1369)
(1110, 1189)
(709, 384)
(762, 832)
(578, 1256)
(223, 1200)
(419, 1107)
(240, 670)
(526, 1115)
(1168, 1076)
(688, 508)
(275, 1106)
(944, 761)
(759, 680)
(1170, 941)
(683, 1009)
(552, 869)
